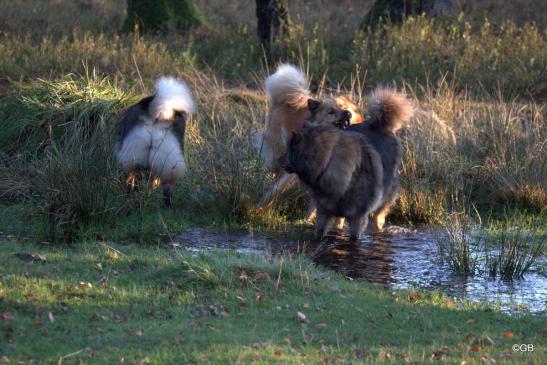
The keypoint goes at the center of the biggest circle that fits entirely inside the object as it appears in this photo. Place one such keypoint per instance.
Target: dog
(290, 106)
(150, 135)
(352, 172)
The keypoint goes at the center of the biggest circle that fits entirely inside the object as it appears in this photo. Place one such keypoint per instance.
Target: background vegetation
(476, 145)
(479, 83)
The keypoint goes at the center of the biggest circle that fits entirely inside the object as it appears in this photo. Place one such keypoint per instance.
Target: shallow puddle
(398, 259)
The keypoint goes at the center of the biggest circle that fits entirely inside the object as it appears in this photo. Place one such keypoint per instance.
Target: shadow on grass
(221, 307)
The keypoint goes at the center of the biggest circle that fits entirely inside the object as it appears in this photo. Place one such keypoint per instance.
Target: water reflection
(372, 261)
(398, 259)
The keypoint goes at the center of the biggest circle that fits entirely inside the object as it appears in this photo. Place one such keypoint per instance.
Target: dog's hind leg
(131, 182)
(283, 182)
(379, 216)
(357, 225)
(168, 187)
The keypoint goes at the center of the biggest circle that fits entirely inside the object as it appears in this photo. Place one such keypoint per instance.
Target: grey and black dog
(150, 135)
(352, 172)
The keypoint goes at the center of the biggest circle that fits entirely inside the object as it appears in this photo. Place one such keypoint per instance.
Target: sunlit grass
(101, 302)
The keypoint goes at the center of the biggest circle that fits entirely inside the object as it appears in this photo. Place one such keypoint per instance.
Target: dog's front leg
(357, 225)
(324, 220)
(312, 211)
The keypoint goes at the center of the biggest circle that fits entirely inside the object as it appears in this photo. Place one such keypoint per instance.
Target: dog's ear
(313, 104)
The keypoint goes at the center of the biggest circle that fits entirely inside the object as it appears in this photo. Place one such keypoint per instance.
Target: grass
(95, 303)
(58, 141)
(460, 246)
(116, 293)
(506, 250)
(477, 138)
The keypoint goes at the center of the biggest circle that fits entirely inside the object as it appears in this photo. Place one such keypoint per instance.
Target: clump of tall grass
(459, 246)
(515, 251)
(59, 134)
(507, 252)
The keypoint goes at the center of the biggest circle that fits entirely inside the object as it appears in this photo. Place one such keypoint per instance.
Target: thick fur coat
(352, 173)
(291, 105)
(150, 135)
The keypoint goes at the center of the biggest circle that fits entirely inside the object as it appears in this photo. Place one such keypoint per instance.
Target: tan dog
(290, 106)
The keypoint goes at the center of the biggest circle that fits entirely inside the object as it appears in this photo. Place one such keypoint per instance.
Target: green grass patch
(100, 304)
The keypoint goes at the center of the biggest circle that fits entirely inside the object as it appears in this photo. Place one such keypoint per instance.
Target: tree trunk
(162, 15)
(395, 11)
(272, 22)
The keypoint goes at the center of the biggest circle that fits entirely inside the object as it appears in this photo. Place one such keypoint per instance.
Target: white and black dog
(150, 135)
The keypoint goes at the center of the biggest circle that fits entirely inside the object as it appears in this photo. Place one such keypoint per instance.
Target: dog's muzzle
(344, 120)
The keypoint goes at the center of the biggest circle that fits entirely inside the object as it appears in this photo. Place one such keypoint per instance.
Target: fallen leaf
(4, 359)
(508, 334)
(440, 353)
(414, 296)
(7, 316)
(470, 321)
(475, 348)
(243, 277)
(321, 326)
(50, 317)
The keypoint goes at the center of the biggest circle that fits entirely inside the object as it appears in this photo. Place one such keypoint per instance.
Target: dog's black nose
(346, 116)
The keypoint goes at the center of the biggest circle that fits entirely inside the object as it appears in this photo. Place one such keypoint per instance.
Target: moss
(162, 15)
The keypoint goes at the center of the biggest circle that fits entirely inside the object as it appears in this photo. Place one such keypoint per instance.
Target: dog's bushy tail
(288, 85)
(171, 96)
(389, 109)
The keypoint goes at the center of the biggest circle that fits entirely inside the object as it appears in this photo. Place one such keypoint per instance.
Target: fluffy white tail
(389, 109)
(288, 85)
(171, 96)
